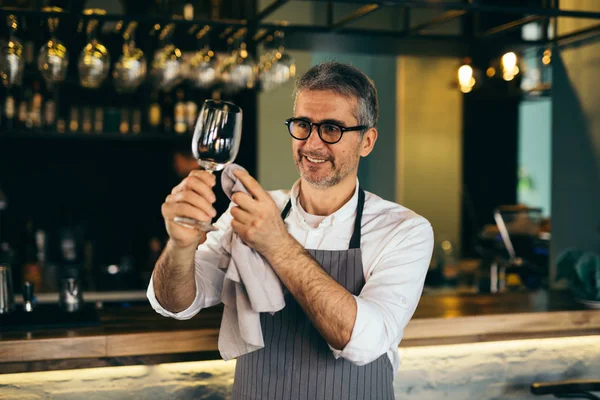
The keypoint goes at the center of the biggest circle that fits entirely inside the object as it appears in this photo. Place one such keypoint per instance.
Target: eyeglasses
(301, 129)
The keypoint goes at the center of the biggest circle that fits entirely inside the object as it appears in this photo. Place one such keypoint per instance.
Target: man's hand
(192, 198)
(328, 304)
(173, 276)
(256, 218)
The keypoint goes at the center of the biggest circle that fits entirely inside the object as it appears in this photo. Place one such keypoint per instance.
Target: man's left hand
(257, 219)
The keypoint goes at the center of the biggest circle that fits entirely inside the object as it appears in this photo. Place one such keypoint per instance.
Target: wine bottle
(74, 120)
(86, 123)
(191, 110)
(136, 122)
(168, 115)
(9, 112)
(36, 107)
(99, 120)
(32, 268)
(180, 114)
(23, 116)
(124, 125)
(61, 125)
(49, 114)
(154, 114)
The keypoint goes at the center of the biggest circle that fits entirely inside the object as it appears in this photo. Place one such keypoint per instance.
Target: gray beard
(325, 182)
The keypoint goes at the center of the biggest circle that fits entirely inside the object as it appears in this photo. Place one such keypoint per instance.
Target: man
(353, 263)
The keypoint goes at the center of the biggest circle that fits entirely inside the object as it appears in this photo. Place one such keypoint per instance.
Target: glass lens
(299, 129)
(217, 134)
(330, 133)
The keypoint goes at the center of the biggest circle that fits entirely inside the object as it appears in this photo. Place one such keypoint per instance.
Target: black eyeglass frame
(343, 129)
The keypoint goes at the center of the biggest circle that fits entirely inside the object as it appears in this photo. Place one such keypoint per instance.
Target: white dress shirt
(396, 246)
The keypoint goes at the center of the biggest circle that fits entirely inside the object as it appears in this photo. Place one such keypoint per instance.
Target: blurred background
(487, 125)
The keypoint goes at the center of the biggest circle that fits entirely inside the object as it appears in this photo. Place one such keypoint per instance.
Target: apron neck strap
(356, 234)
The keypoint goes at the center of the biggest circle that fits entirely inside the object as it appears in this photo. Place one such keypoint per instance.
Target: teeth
(315, 160)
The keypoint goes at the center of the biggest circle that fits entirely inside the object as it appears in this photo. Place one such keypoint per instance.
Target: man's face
(321, 164)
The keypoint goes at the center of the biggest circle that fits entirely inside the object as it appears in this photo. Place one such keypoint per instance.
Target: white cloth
(396, 247)
(250, 287)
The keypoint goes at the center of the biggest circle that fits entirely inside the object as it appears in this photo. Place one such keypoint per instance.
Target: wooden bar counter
(138, 335)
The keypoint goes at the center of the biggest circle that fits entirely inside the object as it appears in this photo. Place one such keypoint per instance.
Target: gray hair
(345, 80)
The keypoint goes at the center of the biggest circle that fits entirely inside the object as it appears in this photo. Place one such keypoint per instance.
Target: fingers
(240, 215)
(193, 199)
(205, 176)
(237, 226)
(244, 201)
(200, 182)
(251, 184)
(172, 210)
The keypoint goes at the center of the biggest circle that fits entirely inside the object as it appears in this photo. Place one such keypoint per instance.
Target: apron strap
(286, 209)
(355, 240)
(356, 234)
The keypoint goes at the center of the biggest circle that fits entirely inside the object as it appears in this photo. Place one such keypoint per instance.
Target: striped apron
(296, 362)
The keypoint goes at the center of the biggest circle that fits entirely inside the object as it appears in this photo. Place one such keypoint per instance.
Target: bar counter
(137, 335)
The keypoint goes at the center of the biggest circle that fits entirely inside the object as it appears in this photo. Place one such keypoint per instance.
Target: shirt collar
(346, 211)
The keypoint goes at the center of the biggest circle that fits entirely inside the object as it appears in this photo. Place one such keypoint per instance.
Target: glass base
(194, 224)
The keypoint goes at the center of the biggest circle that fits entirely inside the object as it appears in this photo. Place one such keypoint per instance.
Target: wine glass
(239, 70)
(204, 68)
(11, 59)
(167, 64)
(215, 144)
(94, 60)
(204, 63)
(130, 68)
(243, 73)
(278, 66)
(53, 59)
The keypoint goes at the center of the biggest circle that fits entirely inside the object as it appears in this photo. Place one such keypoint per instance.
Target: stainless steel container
(7, 297)
(71, 296)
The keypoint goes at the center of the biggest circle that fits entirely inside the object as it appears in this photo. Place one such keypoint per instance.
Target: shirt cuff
(363, 346)
(188, 313)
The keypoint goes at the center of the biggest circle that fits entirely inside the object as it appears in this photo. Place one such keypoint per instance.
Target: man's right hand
(192, 198)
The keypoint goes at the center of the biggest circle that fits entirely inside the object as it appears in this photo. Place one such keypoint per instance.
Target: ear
(368, 142)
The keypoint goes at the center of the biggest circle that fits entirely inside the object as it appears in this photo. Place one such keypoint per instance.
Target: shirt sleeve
(209, 278)
(390, 296)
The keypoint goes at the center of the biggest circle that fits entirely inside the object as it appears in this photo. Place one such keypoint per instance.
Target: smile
(315, 160)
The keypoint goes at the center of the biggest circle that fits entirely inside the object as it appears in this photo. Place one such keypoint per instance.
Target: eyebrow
(325, 121)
